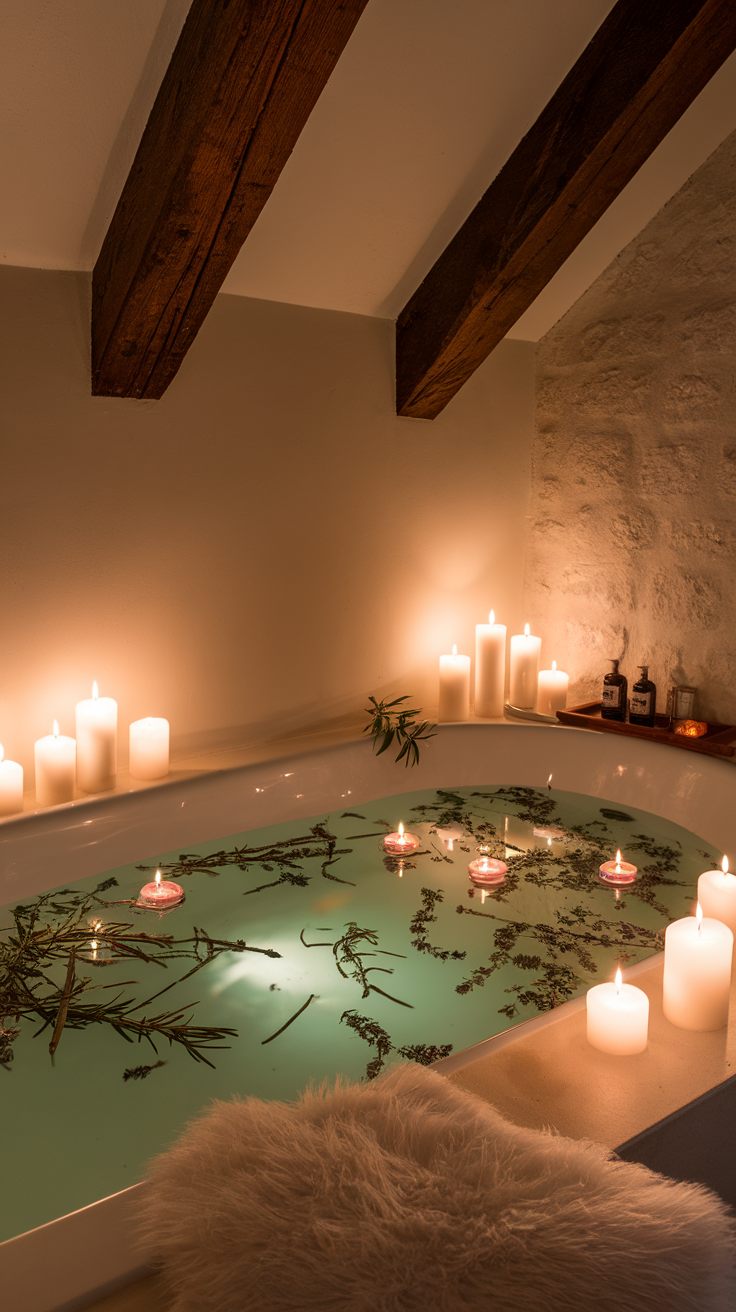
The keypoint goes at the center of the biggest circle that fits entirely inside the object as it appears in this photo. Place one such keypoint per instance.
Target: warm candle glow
(554, 665)
(527, 630)
(56, 728)
(401, 829)
(492, 617)
(95, 692)
(618, 862)
(2, 752)
(724, 865)
(158, 878)
(619, 980)
(454, 649)
(699, 915)
(549, 782)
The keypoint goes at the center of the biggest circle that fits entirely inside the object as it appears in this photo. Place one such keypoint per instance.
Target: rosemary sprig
(387, 724)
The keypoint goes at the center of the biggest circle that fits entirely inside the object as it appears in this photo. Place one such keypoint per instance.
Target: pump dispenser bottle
(643, 703)
(613, 700)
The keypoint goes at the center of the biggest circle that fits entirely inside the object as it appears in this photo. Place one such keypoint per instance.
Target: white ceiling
(426, 104)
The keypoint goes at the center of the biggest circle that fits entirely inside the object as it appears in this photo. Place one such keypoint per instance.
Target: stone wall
(632, 550)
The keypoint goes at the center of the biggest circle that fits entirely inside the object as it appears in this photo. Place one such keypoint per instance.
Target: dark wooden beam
(242, 82)
(645, 65)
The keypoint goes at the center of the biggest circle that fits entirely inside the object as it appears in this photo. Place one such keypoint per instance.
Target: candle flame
(56, 728)
(549, 782)
(618, 863)
(95, 693)
(554, 665)
(527, 630)
(492, 617)
(699, 916)
(724, 865)
(549, 842)
(450, 845)
(619, 978)
(2, 752)
(401, 829)
(158, 878)
(454, 649)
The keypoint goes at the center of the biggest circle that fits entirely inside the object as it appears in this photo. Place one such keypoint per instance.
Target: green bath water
(442, 968)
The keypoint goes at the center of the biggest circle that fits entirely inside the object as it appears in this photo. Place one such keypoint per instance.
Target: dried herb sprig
(349, 956)
(387, 724)
(376, 1037)
(285, 857)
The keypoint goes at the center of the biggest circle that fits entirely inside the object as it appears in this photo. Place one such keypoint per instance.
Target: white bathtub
(63, 1264)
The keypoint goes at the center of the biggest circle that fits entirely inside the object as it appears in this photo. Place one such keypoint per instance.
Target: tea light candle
(697, 973)
(525, 649)
(97, 743)
(487, 870)
(454, 686)
(56, 762)
(400, 844)
(717, 895)
(149, 748)
(11, 786)
(617, 872)
(490, 667)
(552, 688)
(617, 1018)
(161, 894)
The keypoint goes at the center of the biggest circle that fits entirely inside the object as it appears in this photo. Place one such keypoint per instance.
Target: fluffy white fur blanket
(408, 1194)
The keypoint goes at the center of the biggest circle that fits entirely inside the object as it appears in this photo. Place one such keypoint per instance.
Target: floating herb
(285, 857)
(349, 959)
(141, 1072)
(376, 1037)
(424, 917)
(387, 724)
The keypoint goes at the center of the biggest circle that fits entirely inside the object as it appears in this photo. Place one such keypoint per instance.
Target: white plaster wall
(261, 548)
(632, 549)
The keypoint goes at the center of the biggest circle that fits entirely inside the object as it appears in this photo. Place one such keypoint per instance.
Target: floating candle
(97, 743)
(717, 895)
(487, 870)
(11, 786)
(56, 762)
(161, 894)
(617, 1018)
(454, 686)
(617, 872)
(552, 688)
(696, 986)
(401, 844)
(149, 748)
(525, 649)
(490, 667)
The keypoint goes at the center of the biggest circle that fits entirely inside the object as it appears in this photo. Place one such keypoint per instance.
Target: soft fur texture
(408, 1193)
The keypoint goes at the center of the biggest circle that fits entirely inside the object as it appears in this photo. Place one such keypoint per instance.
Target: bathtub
(66, 1263)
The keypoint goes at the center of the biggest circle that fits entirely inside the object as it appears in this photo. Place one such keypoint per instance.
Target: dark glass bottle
(613, 701)
(643, 705)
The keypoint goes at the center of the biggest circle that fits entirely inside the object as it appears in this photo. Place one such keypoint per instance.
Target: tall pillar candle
(11, 786)
(56, 763)
(697, 973)
(97, 743)
(525, 649)
(552, 688)
(490, 667)
(717, 895)
(454, 687)
(149, 748)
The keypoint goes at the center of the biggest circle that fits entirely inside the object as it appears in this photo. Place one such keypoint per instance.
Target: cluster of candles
(698, 953)
(530, 689)
(89, 761)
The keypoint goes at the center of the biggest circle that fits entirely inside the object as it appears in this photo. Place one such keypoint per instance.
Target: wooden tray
(715, 742)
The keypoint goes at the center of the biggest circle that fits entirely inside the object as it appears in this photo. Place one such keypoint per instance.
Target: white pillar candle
(552, 690)
(97, 743)
(697, 973)
(11, 785)
(490, 667)
(454, 687)
(56, 763)
(717, 895)
(617, 1018)
(149, 748)
(525, 649)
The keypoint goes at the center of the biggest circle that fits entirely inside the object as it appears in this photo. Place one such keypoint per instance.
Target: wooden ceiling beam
(644, 67)
(242, 82)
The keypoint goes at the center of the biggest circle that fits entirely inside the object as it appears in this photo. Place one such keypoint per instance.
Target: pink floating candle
(401, 844)
(487, 870)
(161, 894)
(617, 872)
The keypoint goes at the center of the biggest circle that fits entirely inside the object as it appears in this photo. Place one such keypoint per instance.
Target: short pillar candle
(696, 987)
(487, 870)
(454, 686)
(617, 1018)
(97, 743)
(56, 763)
(149, 748)
(490, 668)
(552, 686)
(161, 894)
(400, 843)
(524, 669)
(11, 786)
(717, 895)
